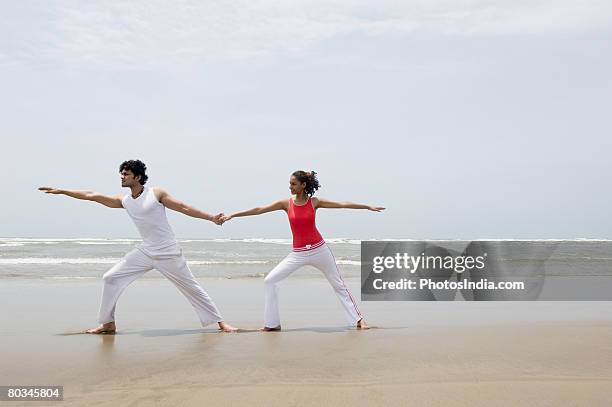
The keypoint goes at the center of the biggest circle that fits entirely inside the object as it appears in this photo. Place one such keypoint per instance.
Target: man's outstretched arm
(172, 203)
(106, 200)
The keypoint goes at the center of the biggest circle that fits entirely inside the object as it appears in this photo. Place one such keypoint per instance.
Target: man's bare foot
(105, 329)
(268, 329)
(225, 327)
(361, 324)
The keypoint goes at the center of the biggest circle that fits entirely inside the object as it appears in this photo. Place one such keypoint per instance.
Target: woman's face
(296, 186)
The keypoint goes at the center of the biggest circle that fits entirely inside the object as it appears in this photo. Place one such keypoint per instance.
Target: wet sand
(419, 353)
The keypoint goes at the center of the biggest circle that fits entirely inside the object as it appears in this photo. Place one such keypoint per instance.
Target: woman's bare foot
(268, 329)
(361, 324)
(225, 327)
(105, 329)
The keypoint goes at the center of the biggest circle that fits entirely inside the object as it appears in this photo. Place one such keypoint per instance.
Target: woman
(309, 248)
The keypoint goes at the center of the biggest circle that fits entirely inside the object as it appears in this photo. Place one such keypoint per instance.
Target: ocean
(89, 258)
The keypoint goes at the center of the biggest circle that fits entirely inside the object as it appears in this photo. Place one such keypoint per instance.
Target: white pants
(172, 266)
(321, 258)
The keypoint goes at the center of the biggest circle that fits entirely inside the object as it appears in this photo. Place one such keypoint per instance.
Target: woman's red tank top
(302, 222)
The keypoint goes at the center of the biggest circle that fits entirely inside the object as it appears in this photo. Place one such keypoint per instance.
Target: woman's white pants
(173, 267)
(320, 258)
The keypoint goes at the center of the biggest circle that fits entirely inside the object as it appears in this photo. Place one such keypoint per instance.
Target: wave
(338, 240)
(105, 243)
(93, 241)
(341, 240)
(18, 241)
(51, 260)
(246, 240)
(65, 239)
(349, 262)
(208, 262)
(108, 260)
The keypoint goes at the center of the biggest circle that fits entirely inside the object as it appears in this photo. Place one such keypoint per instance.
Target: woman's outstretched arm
(274, 206)
(326, 203)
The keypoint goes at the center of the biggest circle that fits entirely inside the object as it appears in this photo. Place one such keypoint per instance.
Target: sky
(465, 119)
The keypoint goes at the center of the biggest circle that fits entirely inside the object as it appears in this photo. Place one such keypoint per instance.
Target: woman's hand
(376, 208)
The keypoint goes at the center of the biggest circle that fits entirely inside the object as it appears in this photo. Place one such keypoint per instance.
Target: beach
(418, 353)
(452, 155)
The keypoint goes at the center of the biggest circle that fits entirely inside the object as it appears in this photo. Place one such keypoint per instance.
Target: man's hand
(49, 190)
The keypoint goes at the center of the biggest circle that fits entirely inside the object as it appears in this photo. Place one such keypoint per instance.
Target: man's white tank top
(149, 216)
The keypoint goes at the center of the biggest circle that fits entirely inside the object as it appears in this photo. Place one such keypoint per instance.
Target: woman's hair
(137, 168)
(310, 178)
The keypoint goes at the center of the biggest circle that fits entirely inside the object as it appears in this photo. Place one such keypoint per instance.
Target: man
(159, 249)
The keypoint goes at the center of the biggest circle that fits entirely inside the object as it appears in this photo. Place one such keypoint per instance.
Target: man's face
(128, 179)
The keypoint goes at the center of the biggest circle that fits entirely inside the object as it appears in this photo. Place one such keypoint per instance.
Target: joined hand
(225, 218)
(217, 219)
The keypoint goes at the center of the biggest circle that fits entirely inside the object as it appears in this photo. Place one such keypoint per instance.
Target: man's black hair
(137, 168)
